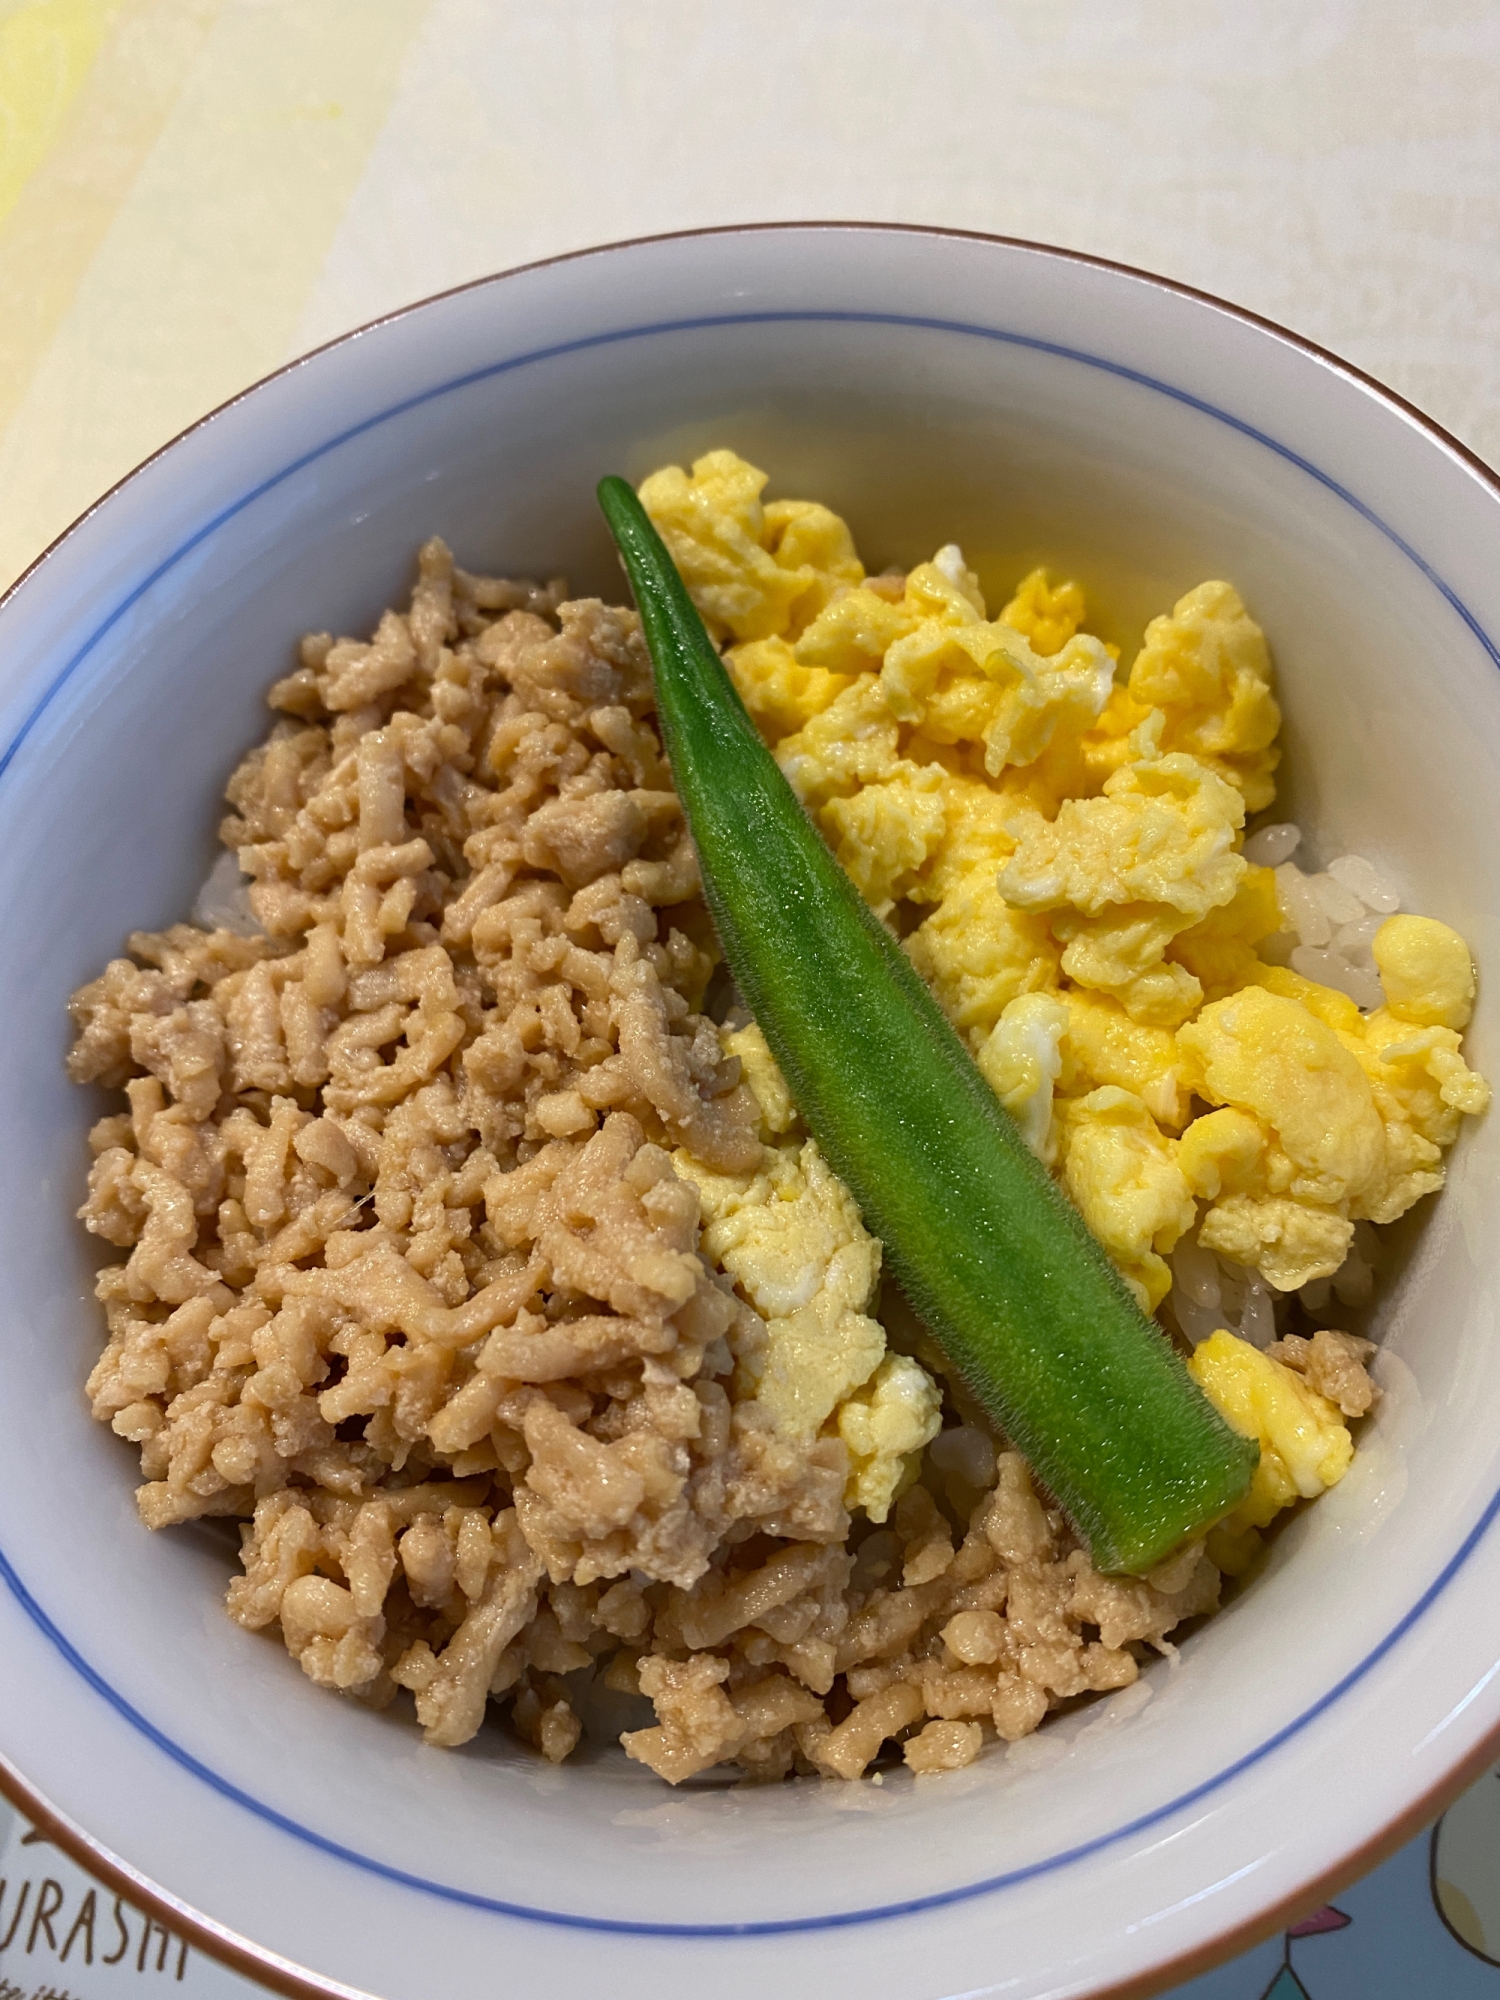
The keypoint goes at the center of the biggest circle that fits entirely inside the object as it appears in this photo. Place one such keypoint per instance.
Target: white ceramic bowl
(932, 387)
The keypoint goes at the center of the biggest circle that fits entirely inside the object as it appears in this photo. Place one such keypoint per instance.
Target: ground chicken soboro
(417, 1186)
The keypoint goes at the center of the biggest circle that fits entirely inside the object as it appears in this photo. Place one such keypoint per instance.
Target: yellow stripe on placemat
(194, 284)
(46, 47)
(99, 138)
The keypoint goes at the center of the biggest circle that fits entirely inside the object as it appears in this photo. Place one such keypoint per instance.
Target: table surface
(193, 191)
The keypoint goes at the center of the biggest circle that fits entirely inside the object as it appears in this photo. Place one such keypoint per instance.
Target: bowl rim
(277, 1974)
(1359, 377)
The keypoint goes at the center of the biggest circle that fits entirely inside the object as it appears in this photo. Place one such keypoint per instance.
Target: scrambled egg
(1426, 972)
(1331, 1117)
(1207, 672)
(754, 571)
(1122, 1172)
(884, 1424)
(791, 1237)
(1058, 842)
(1021, 1059)
(1305, 1446)
(1123, 873)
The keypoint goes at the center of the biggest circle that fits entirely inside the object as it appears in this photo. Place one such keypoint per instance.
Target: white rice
(223, 903)
(1209, 1292)
(1371, 887)
(1273, 844)
(1331, 917)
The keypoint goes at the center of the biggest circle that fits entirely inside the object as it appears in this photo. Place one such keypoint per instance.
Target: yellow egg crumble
(1058, 839)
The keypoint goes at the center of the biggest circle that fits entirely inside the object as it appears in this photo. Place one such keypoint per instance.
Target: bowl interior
(919, 435)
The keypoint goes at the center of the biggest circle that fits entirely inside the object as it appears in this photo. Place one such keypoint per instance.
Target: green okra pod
(1022, 1299)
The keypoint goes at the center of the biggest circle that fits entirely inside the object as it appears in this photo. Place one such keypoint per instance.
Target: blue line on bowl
(837, 1919)
(614, 338)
